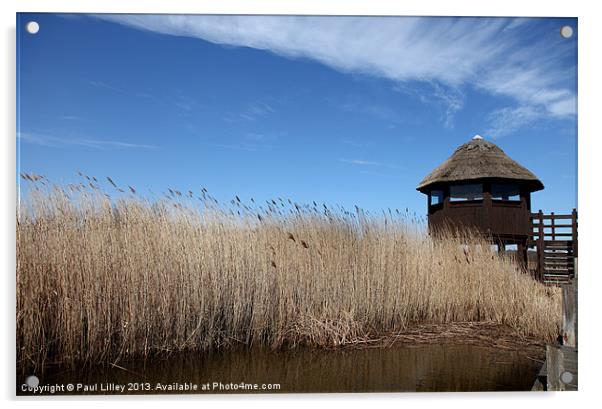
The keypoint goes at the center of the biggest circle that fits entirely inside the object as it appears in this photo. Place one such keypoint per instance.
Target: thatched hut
(482, 188)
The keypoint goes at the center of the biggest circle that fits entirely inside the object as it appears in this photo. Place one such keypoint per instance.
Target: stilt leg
(521, 255)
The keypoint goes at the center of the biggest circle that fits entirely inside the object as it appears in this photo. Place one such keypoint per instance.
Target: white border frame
(589, 90)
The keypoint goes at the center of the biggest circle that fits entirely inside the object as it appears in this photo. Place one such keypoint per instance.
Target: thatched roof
(479, 159)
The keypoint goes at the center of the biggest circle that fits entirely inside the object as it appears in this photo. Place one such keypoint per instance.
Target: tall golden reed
(100, 279)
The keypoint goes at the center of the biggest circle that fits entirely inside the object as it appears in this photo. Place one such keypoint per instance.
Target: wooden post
(540, 244)
(487, 205)
(561, 358)
(446, 194)
(574, 231)
(553, 226)
(569, 314)
(501, 248)
(521, 254)
(561, 365)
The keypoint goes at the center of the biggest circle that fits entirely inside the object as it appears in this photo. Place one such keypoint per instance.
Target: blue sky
(342, 110)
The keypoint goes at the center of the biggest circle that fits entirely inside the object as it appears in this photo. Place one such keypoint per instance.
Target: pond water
(395, 369)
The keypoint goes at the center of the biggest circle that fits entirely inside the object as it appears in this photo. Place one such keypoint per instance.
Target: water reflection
(397, 369)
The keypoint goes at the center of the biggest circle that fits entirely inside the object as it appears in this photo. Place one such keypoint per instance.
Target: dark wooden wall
(502, 219)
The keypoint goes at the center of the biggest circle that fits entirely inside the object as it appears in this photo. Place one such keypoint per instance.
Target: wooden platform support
(560, 371)
(569, 313)
(561, 368)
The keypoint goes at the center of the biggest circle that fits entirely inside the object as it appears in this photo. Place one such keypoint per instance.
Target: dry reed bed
(101, 279)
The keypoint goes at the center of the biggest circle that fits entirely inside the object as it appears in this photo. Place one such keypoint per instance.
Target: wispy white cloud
(262, 138)
(48, 140)
(184, 104)
(242, 146)
(516, 23)
(249, 141)
(71, 118)
(101, 84)
(383, 175)
(362, 162)
(453, 101)
(381, 112)
(356, 143)
(373, 168)
(487, 54)
(506, 121)
(448, 99)
(251, 112)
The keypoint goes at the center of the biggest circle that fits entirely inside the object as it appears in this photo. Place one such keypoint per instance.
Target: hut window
(436, 197)
(505, 192)
(466, 192)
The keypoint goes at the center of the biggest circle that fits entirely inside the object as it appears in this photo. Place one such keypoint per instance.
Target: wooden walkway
(555, 238)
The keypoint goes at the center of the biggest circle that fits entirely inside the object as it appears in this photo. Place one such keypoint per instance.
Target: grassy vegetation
(101, 278)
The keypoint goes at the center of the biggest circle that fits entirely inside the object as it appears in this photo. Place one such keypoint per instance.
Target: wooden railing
(555, 237)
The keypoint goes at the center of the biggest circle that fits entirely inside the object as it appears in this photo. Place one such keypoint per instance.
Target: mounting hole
(566, 377)
(32, 381)
(566, 31)
(32, 27)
